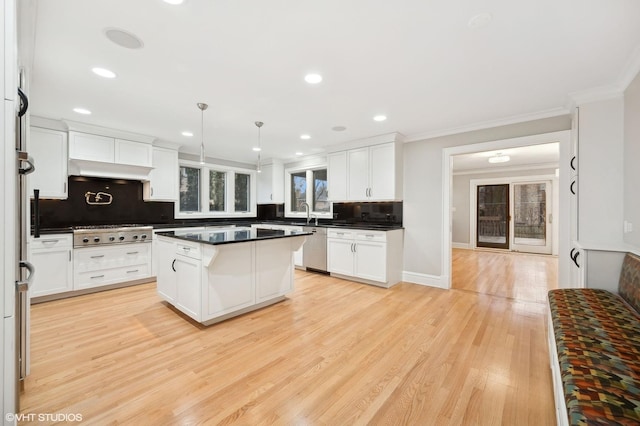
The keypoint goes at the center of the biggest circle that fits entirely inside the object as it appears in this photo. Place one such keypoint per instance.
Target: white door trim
(563, 137)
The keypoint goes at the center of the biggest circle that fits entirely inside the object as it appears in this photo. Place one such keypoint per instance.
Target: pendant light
(202, 107)
(259, 124)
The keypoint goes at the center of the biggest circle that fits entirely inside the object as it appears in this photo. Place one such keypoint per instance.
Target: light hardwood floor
(334, 353)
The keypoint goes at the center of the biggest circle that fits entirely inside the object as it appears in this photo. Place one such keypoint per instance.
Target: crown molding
(515, 119)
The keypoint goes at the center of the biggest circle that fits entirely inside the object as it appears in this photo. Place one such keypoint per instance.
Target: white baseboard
(424, 279)
(466, 246)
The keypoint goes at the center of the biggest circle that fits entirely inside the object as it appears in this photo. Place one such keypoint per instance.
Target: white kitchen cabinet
(188, 285)
(337, 176)
(227, 290)
(133, 153)
(273, 259)
(298, 255)
(373, 257)
(83, 146)
(51, 255)
(163, 178)
(271, 184)
(100, 266)
(167, 279)
(49, 150)
(371, 173)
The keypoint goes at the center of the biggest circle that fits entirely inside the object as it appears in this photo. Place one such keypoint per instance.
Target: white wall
(461, 197)
(631, 161)
(423, 192)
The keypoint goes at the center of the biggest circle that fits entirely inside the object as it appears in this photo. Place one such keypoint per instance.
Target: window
(189, 189)
(298, 191)
(308, 186)
(242, 192)
(217, 190)
(320, 195)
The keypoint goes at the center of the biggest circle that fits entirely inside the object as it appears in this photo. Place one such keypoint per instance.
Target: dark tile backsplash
(378, 213)
(127, 206)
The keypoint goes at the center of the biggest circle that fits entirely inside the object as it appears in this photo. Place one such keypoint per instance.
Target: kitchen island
(213, 275)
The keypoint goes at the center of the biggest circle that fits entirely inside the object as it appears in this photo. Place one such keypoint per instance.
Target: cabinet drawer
(51, 241)
(189, 250)
(95, 259)
(90, 279)
(340, 233)
(371, 236)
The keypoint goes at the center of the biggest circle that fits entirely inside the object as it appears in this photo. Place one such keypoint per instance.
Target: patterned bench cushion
(598, 342)
(629, 284)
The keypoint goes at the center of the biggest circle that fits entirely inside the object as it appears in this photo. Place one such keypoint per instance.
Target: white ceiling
(416, 61)
(543, 155)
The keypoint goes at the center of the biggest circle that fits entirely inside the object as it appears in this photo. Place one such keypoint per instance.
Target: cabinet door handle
(131, 272)
(574, 256)
(50, 241)
(573, 191)
(97, 276)
(173, 264)
(97, 257)
(132, 252)
(186, 248)
(152, 191)
(69, 255)
(573, 166)
(354, 247)
(271, 196)
(369, 235)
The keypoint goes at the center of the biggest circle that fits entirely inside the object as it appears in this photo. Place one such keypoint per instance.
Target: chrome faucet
(314, 217)
(308, 210)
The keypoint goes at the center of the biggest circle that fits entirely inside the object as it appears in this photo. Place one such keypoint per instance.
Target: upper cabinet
(271, 183)
(371, 173)
(104, 156)
(49, 150)
(163, 179)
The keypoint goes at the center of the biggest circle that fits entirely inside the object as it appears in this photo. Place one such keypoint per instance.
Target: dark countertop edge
(170, 234)
(69, 229)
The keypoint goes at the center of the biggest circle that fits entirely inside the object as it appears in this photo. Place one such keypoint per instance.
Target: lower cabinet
(98, 266)
(373, 257)
(165, 270)
(51, 255)
(298, 255)
(188, 285)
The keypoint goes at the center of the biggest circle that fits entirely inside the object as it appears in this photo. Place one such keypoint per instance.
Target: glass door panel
(531, 204)
(492, 216)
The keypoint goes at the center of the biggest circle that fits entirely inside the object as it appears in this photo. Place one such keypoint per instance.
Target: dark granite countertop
(228, 236)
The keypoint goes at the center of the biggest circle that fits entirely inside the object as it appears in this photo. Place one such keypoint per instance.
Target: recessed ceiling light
(174, 1)
(298, 153)
(479, 20)
(257, 149)
(380, 117)
(187, 134)
(103, 72)
(313, 78)
(338, 128)
(123, 38)
(82, 111)
(305, 137)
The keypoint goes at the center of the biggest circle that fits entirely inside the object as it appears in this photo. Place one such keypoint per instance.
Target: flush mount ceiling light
(299, 153)
(479, 20)
(313, 78)
(123, 38)
(499, 158)
(187, 134)
(338, 128)
(259, 125)
(305, 137)
(257, 149)
(103, 72)
(380, 118)
(174, 2)
(82, 111)
(202, 107)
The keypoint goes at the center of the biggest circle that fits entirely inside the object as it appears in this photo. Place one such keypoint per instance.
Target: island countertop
(231, 235)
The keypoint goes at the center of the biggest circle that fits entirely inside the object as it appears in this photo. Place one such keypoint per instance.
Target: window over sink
(307, 187)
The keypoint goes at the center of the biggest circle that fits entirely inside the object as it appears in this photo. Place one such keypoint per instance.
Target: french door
(514, 216)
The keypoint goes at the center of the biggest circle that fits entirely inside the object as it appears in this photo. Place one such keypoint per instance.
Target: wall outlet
(628, 227)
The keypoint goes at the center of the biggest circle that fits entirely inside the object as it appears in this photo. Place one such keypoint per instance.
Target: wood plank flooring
(334, 353)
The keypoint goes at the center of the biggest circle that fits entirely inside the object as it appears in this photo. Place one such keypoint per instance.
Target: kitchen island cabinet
(213, 275)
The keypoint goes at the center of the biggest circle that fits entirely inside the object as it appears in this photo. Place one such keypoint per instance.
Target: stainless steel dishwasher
(314, 253)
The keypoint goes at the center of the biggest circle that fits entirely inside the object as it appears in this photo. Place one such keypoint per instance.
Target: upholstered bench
(594, 345)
